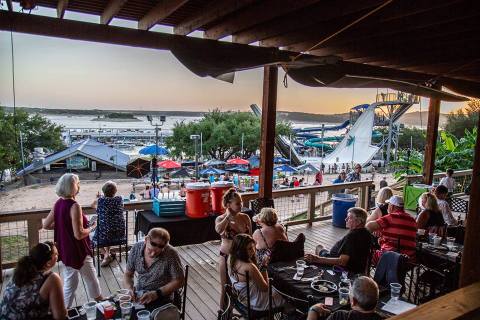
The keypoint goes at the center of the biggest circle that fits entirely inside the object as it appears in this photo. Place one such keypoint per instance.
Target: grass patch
(13, 248)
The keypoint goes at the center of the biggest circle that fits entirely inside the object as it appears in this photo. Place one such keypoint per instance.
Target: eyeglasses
(156, 245)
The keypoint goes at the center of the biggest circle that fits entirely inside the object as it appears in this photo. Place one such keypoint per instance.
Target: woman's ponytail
(25, 271)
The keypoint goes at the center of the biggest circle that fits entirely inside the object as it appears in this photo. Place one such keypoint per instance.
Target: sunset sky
(59, 73)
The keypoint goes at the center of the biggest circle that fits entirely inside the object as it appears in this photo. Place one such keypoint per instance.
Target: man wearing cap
(398, 228)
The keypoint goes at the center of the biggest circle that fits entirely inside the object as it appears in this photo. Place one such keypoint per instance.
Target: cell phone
(73, 313)
(93, 219)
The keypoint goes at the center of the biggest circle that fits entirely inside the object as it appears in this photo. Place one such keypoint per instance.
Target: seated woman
(111, 222)
(430, 218)
(35, 289)
(269, 232)
(242, 260)
(382, 206)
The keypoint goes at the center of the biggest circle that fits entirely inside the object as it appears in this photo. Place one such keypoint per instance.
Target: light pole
(195, 138)
(156, 124)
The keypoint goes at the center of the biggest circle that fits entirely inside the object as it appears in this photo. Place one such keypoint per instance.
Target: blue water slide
(326, 128)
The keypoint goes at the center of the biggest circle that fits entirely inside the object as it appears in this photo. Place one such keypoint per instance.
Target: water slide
(281, 143)
(326, 128)
(356, 146)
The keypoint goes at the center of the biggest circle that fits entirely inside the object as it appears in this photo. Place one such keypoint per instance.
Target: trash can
(217, 190)
(341, 203)
(198, 203)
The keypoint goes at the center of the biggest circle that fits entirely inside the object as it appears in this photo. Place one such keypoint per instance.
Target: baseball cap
(396, 201)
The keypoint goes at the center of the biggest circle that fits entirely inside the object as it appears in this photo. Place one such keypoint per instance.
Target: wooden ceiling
(439, 37)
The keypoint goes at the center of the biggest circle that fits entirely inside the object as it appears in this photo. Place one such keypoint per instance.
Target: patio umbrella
(254, 161)
(154, 149)
(285, 168)
(181, 173)
(190, 163)
(214, 162)
(211, 171)
(280, 160)
(238, 169)
(168, 164)
(138, 168)
(238, 161)
(308, 167)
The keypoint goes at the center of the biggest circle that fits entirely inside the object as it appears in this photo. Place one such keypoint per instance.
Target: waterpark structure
(351, 141)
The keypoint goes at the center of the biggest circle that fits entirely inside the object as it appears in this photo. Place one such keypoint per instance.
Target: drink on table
(126, 308)
(343, 296)
(395, 289)
(143, 315)
(90, 310)
(450, 242)
(300, 267)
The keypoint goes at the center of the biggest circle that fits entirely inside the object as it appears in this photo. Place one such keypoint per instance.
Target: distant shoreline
(116, 120)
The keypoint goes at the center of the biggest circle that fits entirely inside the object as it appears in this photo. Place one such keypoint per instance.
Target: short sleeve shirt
(353, 315)
(356, 245)
(165, 268)
(395, 226)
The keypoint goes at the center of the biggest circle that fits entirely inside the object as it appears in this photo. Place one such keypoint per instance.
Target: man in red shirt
(398, 228)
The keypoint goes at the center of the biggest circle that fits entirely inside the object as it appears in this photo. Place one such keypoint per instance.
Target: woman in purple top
(71, 234)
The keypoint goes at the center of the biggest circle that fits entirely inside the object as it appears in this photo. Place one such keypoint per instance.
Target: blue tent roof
(280, 160)
(211, 171)
(238, 169)
(285, 168)
(152, 150)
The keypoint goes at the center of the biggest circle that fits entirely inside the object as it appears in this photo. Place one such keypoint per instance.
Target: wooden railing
(462, 179)
(23, 229)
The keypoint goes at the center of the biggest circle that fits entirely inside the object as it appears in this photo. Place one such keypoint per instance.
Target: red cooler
(218, 189)
(198, 203)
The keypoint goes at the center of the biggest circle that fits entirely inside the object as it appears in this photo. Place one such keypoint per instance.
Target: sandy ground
(43, 196)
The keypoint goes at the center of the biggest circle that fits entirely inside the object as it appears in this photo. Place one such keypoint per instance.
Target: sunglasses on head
(156, 245)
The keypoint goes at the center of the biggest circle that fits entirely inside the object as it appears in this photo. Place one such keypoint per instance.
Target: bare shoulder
(220, 218)
(53, 279)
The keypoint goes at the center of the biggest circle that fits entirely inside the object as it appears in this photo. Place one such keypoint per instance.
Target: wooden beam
(9, 5)
(261, 12)
(470, 271)
(112, 8)
(161, 11)
(303, 18)
(213, 12)
(61, 7)
(267, 143)
(432, 134)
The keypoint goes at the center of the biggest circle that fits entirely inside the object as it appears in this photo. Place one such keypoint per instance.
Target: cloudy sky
(59, 73)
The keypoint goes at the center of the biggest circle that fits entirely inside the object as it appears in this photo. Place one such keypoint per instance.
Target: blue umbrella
(280, 160)
(285, 168)
(254, 161)
(308, 167)
(153, 149)
(208, 171)
(238, 169)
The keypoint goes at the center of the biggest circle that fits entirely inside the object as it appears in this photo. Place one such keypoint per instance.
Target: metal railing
(21, 230)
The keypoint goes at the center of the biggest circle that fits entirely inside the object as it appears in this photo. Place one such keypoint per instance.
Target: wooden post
(432, 134)
(33, 225)
(470, 271)
(311, 208)
(267, 144)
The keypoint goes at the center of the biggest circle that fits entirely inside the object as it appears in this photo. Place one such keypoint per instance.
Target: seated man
(352, 251)
(158, 267)
(363, 300)
(398, 229)
(441, 192)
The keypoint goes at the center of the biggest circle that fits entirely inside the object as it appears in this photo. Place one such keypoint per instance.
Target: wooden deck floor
(203, 284)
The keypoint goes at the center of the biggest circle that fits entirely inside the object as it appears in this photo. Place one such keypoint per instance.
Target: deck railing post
(34, 225)
(311, 208)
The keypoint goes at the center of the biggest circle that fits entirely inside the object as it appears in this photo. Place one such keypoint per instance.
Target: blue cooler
(168, 208)
(341, 203)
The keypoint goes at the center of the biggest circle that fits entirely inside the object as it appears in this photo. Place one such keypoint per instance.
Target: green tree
(36, 130)
(459, 121)
(222, 135)
(414, 136)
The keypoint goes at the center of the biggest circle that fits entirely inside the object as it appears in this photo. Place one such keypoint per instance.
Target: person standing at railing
(71, 234)
(354, 175)
(34, 288)
(448, 181)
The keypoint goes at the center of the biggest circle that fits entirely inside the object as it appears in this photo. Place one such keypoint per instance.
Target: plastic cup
(450, 242)
(430, 237)
(123, 291)
(437, 240)
(143, 315)
(395, 289)
(301, 267)
(343, 296)
(90, 310)
(124, 298)
(126, 308)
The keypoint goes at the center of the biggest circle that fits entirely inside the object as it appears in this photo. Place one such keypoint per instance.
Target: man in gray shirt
(158, 267)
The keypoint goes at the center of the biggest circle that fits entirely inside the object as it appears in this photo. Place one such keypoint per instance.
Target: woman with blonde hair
(430, 218)
(228, 225)
(71, 234)
(381, 201)
(269, 232)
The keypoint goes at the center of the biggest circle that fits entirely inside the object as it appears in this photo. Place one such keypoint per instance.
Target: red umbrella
(169, 164)
(238, 161)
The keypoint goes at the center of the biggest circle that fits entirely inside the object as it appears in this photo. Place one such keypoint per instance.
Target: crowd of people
(154, 271)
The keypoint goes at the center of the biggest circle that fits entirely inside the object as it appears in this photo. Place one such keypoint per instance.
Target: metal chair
(226, 313)
(119, 242)
(180, 297)
(301, 305)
